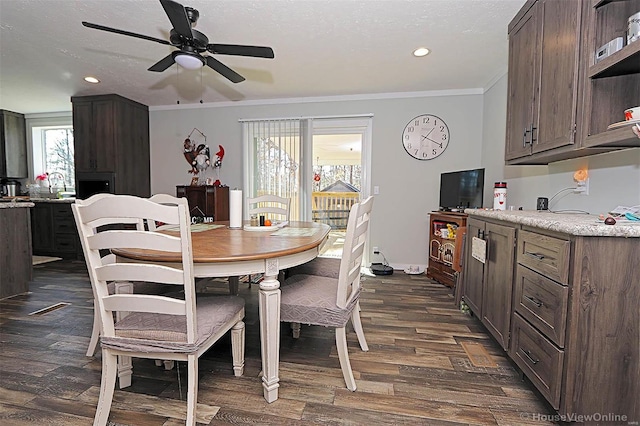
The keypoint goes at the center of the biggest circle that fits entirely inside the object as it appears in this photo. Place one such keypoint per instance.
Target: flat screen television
(461, 190)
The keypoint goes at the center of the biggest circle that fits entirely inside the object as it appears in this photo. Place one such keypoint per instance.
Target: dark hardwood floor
(416, 371)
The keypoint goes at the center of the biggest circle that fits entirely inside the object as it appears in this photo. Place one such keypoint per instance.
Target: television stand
(445, 248)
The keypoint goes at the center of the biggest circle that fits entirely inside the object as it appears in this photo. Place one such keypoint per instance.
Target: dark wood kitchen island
(15, 247)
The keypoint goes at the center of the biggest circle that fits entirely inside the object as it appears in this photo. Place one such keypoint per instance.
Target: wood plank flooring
(416, 372)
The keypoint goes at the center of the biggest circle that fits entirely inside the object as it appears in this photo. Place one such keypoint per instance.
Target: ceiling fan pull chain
(201, 86)
(177, 84)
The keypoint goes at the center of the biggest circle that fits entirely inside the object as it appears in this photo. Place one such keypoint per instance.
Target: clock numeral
(426, 120)
(444, 136)
(434, 151)
(441, 128)
(416, 122)
(416, 153)
(410, 129)
(409, 146)
(425, 155)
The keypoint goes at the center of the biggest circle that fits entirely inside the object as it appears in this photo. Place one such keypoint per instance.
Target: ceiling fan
(192, 43)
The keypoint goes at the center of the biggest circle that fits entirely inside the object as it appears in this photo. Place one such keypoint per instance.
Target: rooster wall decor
(199, 158)
(198, 155)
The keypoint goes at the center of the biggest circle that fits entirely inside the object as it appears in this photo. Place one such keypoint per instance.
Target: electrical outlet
(583, 187)
(376, 250)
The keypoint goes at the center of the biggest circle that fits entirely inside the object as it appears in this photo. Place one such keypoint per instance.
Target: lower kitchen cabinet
(488, 286)
(565, 307)
(53, 230)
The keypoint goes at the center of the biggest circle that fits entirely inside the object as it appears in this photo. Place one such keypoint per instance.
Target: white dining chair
(156, 326)
(271, 206)
(331, 302)
(139, 287)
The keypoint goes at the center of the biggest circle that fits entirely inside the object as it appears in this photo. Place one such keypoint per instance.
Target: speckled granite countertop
(13, 205)
(53, 200)
(568, 223)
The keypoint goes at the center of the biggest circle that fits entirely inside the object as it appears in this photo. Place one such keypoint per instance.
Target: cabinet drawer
(538, 358)
(544, 254)
(542, 302)
(61, 211)
(65, 226)
(65, 243)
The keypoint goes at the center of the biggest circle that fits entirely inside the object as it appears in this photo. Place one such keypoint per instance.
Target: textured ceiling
(322, 48)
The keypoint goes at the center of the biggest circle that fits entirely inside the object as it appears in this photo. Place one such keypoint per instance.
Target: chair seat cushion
(321, 266)
(311, 299)
(151, 332)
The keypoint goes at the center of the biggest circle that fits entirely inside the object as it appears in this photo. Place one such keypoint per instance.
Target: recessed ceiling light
(91, 80)
(421, 51)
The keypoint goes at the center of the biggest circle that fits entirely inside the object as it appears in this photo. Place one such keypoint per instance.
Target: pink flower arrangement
(42, 177)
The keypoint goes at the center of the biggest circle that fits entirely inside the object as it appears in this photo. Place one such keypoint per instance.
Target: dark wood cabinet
(445, 234)
(206, 200)
(488, 286)
(15, 251)
(54, 231)
(565, 307)
(111, 135)
(543, 86)
(13, 145)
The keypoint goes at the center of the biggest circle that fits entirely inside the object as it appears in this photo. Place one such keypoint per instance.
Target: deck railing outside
(333, 208)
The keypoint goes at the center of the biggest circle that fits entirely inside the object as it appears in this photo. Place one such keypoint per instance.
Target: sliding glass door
(321, 164)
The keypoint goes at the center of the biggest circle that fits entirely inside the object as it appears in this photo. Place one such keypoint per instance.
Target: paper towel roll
(235, 208)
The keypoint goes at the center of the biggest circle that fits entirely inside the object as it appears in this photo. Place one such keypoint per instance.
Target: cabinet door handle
(528, 355)
(536, 255)
(531, 129)
(534, 301)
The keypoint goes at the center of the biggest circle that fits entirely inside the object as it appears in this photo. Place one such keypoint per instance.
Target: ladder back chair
(137, 287)
(271, 206)
(331, 302)
(155, 326)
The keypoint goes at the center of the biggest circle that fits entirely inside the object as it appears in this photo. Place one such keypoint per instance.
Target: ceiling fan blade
(178, 17)
(127, 33)
(224, 70)
(241, 50)
(163, 63)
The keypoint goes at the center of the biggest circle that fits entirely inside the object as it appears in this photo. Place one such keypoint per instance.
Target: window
(58, 156)
(52, 148)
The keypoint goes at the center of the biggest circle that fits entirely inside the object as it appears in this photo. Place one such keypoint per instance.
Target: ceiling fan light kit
(189, 61)
(192, 44)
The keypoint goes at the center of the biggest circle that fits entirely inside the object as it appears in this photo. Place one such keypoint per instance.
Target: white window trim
(35, 144)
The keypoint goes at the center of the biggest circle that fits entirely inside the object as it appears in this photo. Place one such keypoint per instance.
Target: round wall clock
(425, 137)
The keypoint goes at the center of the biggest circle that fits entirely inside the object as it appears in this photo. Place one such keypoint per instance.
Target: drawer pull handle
(536, 255)
(528, 355)
(534, 301)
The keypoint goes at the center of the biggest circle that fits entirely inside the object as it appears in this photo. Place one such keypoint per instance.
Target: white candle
(235, 208)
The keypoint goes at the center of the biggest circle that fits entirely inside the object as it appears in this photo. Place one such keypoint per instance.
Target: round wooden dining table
(219, 251)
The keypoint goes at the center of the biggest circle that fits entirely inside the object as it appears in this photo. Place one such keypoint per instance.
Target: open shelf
(623, 62)
(619, 138)
(599, 3)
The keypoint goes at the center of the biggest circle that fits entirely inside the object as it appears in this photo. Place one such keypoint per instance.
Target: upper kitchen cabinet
(111, 135)
(613, 81)
(543, 80)
(13, 145)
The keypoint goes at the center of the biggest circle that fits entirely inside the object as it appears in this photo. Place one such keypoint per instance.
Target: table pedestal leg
(269, 298)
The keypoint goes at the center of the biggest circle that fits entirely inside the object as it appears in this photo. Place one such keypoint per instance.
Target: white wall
(409, 189)
(614, 177)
